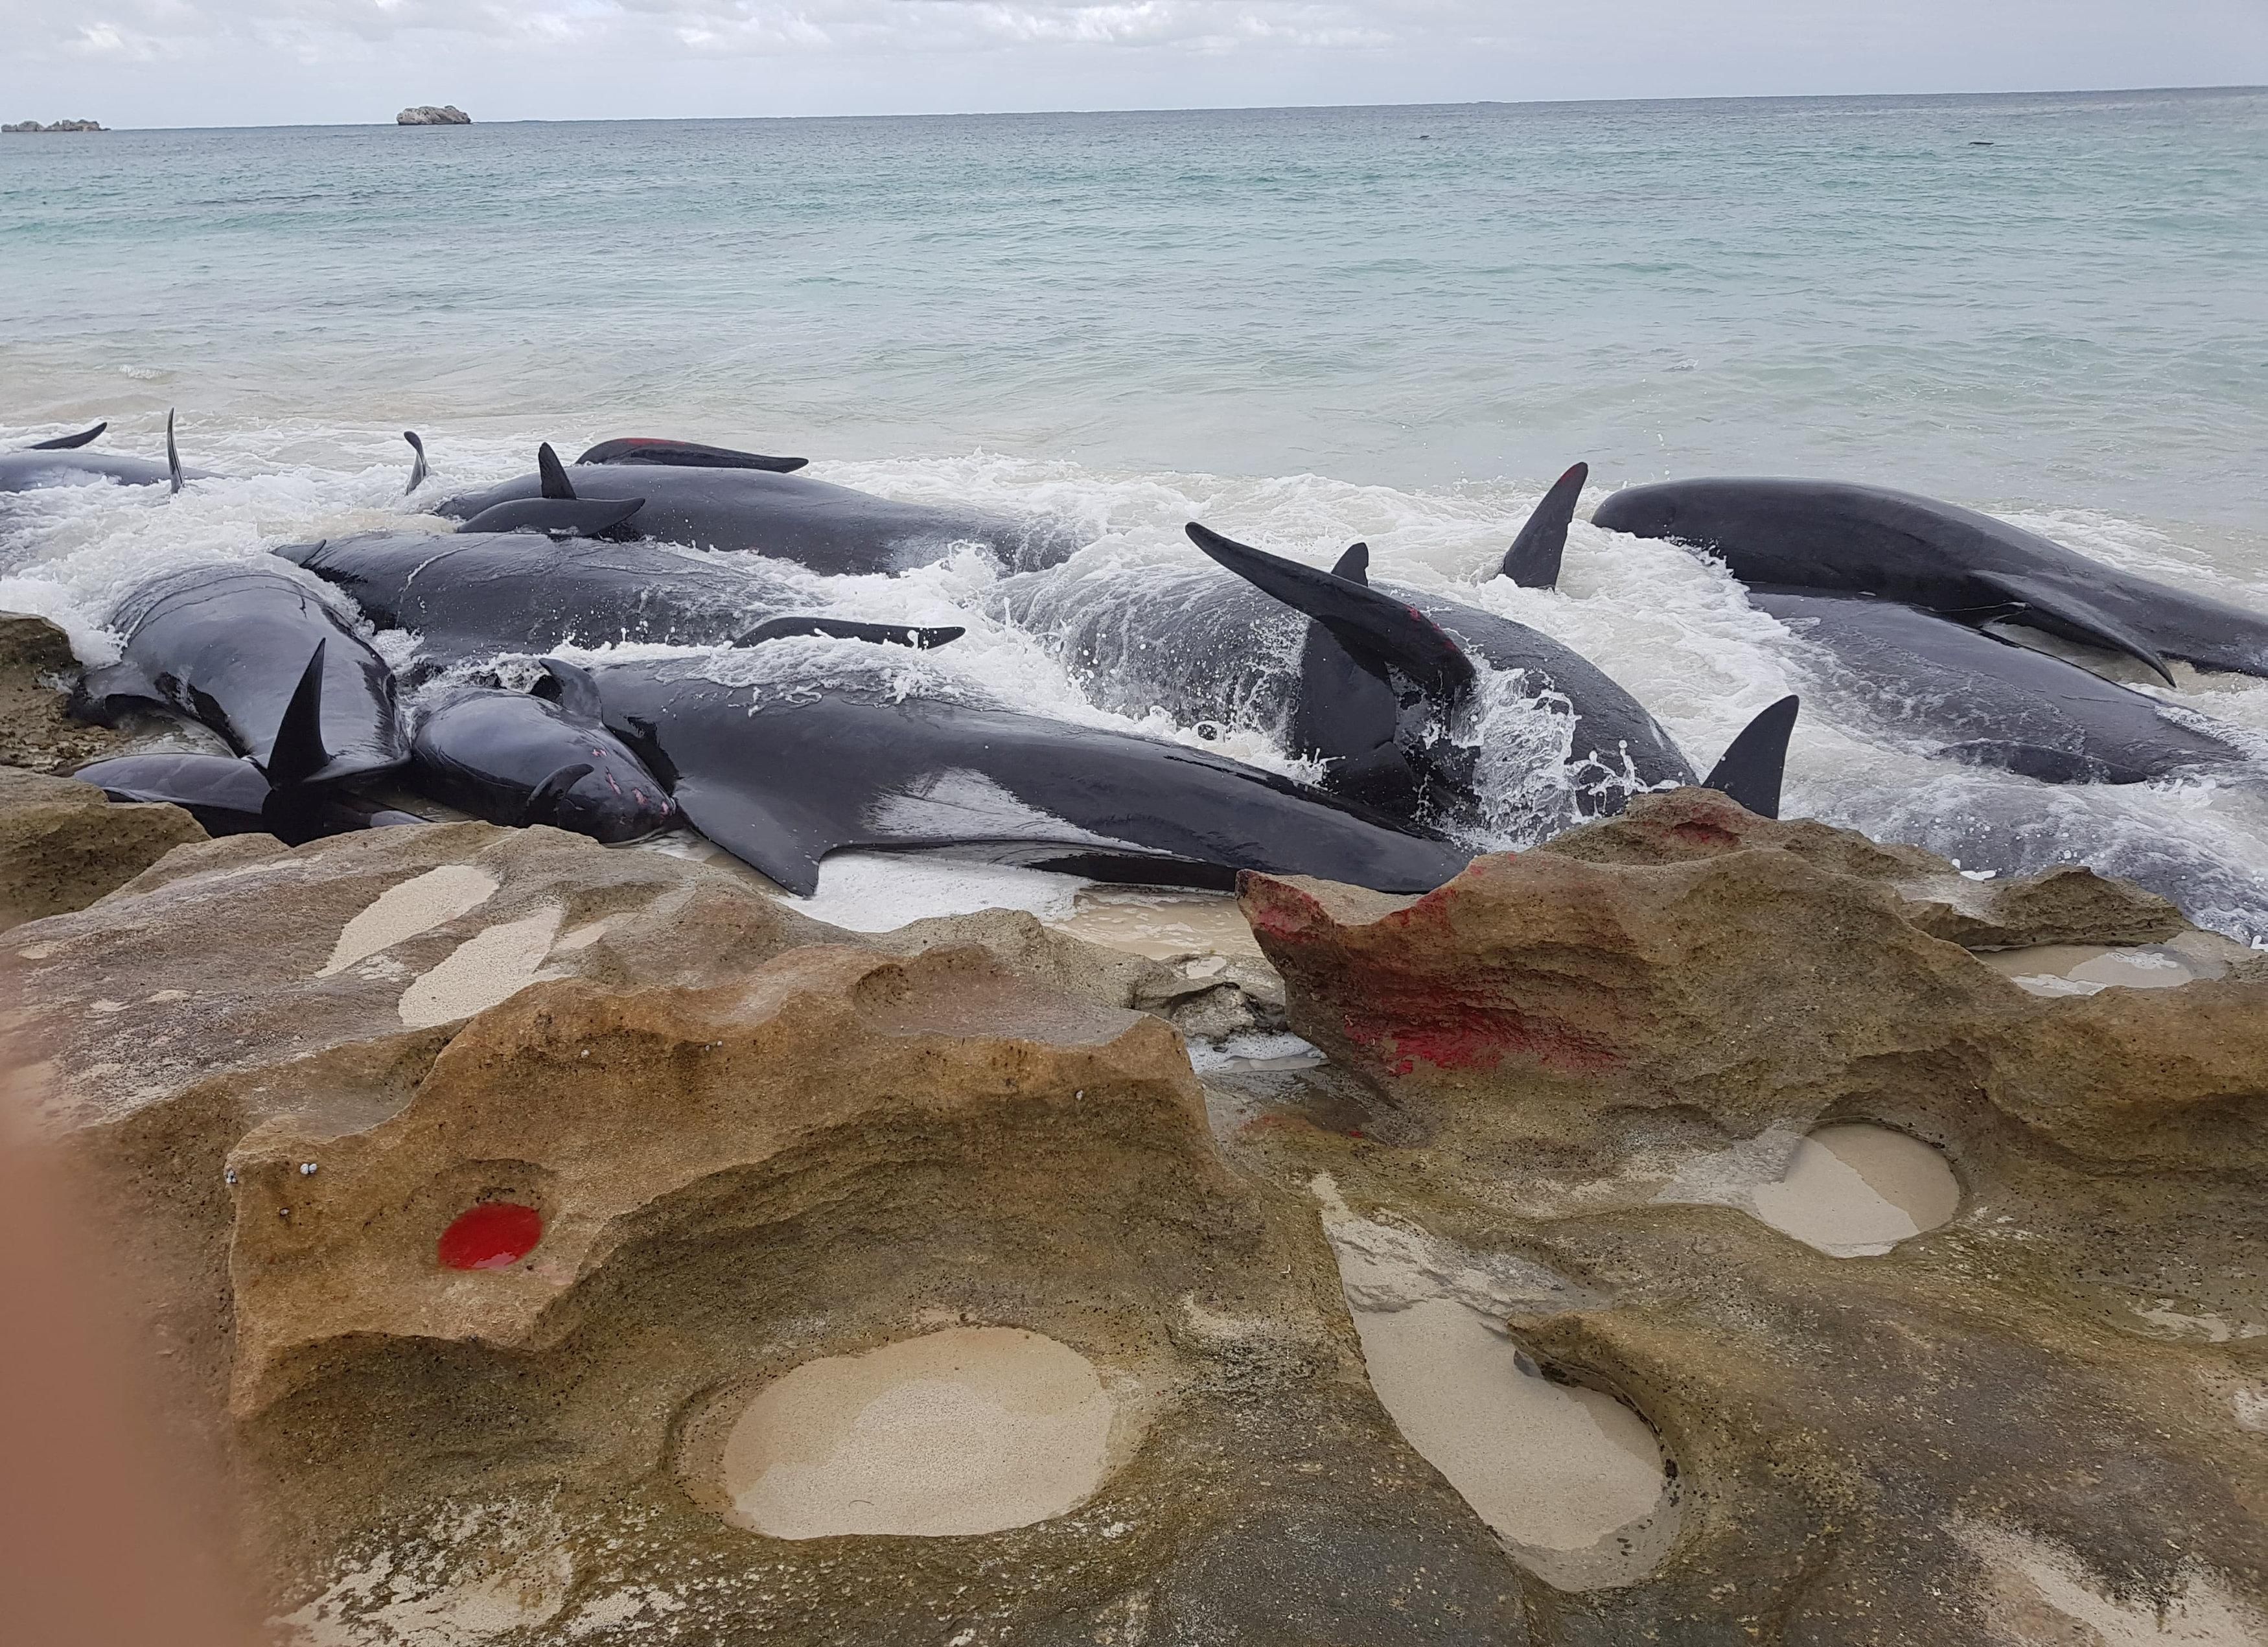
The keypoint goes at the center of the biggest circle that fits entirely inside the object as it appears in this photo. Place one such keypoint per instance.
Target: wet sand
(1857, 1191)
(969, 1430)
(406, 909)
(1571, 1476)
(1161, 924)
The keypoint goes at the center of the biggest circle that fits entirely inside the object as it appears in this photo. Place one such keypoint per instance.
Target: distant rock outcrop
(61, 125)
(426, 114)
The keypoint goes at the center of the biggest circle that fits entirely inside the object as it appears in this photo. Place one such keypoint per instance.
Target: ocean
(1301, 326)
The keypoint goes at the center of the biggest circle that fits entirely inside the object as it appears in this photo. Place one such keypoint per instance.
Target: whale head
(1642, 510)
(605, 792)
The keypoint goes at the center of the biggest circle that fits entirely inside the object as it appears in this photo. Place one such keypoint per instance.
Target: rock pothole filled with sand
(969, 1430)
(1853, 1189)
(2084, 969)
(1857, 1191)
(1572, 1480)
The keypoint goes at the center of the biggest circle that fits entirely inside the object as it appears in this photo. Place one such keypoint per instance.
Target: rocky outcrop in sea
(61, 125)
(1699, 1229)
(426, 114)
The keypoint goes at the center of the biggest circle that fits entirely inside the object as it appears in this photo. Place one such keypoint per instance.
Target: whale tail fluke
(556, 483)
(173, 455)
(416, 461)
(297, 754)
(544, 800)
(1533, 560)
(560, 517)
(844, 629)
(1374, 626)
(686, 455)
(1755, 763)
(69, 442)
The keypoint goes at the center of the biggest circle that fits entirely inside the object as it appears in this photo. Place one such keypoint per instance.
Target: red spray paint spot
(492, 1236)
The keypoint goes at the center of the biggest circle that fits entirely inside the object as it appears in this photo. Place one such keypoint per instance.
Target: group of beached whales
(781, 760)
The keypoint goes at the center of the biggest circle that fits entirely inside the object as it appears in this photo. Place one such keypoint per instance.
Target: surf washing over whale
(1669, 627)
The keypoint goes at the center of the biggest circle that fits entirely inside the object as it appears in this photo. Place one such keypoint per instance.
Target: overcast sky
(207, 63)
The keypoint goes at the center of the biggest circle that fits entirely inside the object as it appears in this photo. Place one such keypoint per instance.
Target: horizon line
(1213, 108)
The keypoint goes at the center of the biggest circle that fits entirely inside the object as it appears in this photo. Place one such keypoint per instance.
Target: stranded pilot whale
(1832, 538)
(64, 461)
(236, 796)
(1367, 680)
(469, 596)
(1990, 701)
(742, 501)
(226, 644)
(782, 779)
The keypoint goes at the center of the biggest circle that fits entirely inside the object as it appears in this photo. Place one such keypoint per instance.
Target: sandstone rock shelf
(556, 1244)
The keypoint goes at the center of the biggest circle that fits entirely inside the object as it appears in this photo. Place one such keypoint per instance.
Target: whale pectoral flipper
(553, 474)
(68, 442)
(1374, 626)
(572, 688)
(418, 463)
(173, 455)
(2085, 622)
(844, 629)
(1755, 761)
(561, 517)
(686, 455)
(543, 802)
(102, 694)
(769, 833)
(1354, 565)
(1533, 560)
(298, 753)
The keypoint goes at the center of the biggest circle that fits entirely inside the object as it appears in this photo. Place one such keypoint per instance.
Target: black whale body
(1207, 647)
(64, 461)
(227, 644)
(1830, 536)
(517, 759)
(477, 594)
(826, 527)
(780, 780)
(1991, 702)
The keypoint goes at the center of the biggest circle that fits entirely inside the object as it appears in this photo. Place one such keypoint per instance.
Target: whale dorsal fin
(844, 629)
(416, 462)
(686, 455)
(1533, 560)
(1354, 565)
(298, 753)
(1755, 762)
(562, 517)
(572, 688)
(543, 802)
(2061, 607)
(68, 442)
(556, 483)
(173, 455)
(1374, 626)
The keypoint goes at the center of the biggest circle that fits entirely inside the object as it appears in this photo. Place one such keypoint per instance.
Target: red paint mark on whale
(492, 1236)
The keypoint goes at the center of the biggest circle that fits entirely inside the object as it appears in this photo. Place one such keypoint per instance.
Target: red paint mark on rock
(1692, 834)
(494, 1235)
(1426, 1028)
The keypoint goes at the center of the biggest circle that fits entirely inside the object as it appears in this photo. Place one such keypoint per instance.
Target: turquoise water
(1302, 325)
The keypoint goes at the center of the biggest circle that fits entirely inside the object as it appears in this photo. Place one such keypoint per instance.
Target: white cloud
(158, 61)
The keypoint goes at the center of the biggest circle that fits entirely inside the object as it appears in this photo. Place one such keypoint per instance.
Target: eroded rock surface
(64, 844)
(1605, 1062)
